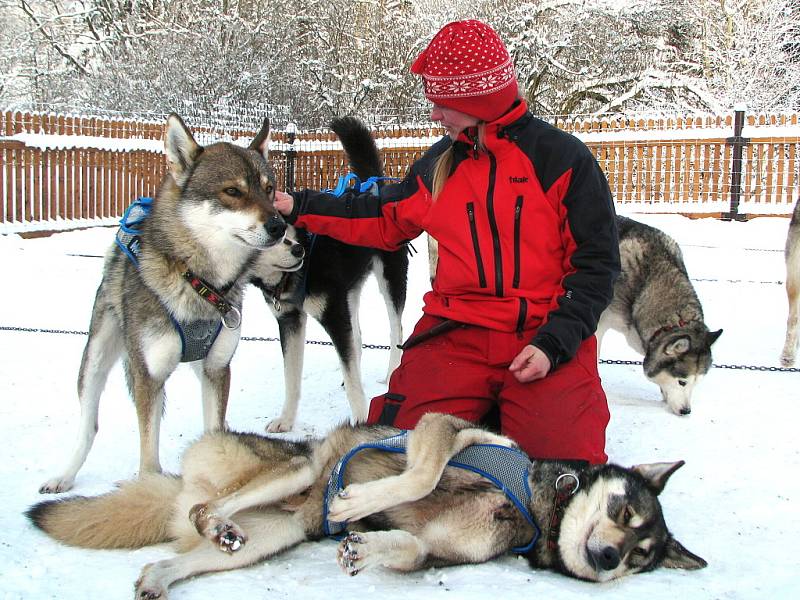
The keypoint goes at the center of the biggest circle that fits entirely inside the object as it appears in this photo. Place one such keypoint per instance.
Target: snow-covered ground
(736, 502)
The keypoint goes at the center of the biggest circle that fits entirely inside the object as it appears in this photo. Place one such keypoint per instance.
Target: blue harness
(507, 468)
(352, 181)
(197, 336)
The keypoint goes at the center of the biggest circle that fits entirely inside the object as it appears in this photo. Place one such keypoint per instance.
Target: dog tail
(357, 141)
(135, 515)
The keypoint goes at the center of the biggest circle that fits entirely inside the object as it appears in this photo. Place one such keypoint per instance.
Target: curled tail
(135, 515)
(358, 143)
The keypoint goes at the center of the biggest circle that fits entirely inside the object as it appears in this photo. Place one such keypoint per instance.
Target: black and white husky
(328, 287)
(657, 309)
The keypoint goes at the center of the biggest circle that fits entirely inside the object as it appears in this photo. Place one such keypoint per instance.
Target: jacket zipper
(498, 258)
(473, 228)
(522, 315)
(517, 226)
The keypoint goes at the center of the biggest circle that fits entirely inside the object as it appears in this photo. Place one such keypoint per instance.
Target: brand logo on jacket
(517, 180)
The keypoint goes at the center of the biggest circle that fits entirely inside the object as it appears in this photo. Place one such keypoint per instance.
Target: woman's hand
(530, 364)
(284, 203)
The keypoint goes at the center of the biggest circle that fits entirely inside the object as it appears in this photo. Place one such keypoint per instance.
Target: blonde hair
(444, 164)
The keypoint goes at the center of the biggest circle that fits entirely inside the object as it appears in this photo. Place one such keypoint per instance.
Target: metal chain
(243, 338)
(603, 361)
(607, 361)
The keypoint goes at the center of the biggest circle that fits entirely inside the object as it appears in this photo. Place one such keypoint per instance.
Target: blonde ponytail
(444, 164)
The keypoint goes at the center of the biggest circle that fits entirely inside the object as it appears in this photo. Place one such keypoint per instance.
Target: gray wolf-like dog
(792, 255)
(243, 498)
(657, 310)
(328, 287)
(211, 221)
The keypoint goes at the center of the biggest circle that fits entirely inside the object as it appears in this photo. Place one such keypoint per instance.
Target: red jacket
(526, 230)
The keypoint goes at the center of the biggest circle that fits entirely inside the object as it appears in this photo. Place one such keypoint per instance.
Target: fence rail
(62, 171)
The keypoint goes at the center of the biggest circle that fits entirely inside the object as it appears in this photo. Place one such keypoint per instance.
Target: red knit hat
(466, 67)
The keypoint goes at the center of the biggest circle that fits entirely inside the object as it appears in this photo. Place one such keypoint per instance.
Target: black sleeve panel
(355, 205)
(592, 224)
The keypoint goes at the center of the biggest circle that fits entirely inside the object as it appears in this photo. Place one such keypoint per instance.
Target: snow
(735, 503)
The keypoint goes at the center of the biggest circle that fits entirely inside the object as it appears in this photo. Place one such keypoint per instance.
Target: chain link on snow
(603, 361)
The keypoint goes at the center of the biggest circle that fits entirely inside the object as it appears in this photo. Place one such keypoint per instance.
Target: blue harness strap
(196, 336)
(507, 468)
(352, 181)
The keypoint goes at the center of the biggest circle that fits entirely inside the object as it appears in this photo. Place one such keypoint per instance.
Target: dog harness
(197, 336)
(507, 468)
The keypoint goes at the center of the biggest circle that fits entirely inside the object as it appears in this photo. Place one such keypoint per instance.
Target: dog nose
(276, 226)
(607, 559)
(297, 251)
(686, 411)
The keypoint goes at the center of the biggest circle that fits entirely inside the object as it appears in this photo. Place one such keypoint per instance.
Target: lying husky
(244, 497)
(657, 309)
(328, 287)
(792, 288)
(172, 290)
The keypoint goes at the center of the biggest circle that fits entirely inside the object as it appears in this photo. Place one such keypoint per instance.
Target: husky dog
(792, 288)
(244, 497)
(328, 287)
(657, 309)
(177, 294)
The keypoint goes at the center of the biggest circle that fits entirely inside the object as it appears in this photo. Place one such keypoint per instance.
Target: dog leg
(212, 520)
(436, 439)
(395, 549)
(272, 531)
(102, 350)
(292, 330)
(338, 325)
(395, 302)
(215, 385)
(793, 321)
(215, 378)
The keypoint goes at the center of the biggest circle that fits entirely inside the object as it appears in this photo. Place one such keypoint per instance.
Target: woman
(528, 255)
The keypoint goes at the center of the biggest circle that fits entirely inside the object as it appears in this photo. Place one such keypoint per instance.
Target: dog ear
(678, 346)
(712, 337)
(260, 143)
(678, 557)
(657, 474)
(182, 151)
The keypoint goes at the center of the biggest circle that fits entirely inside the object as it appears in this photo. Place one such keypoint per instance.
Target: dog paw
(229, 537)
(224, 533)
(56, 485)
(280, 425)
(354, 502)
(787, 360)
(147, 589)
(350, 554)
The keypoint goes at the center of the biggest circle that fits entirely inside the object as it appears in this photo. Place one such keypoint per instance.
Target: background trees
(313, 59)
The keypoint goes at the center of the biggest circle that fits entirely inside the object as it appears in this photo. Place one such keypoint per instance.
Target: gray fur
(214, 215)
(657, 309)
(245, 497)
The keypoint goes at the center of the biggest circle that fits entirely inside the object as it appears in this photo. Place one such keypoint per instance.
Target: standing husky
(174, 292)
(657, 309)
(328, 287)
(597, 522)
(792, 288)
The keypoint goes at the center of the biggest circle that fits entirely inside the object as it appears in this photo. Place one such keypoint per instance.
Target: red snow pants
(464, 372)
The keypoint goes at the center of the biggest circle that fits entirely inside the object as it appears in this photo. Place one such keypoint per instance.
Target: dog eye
(233, 192)
(627, 514)
(640, 552)
(681, 383)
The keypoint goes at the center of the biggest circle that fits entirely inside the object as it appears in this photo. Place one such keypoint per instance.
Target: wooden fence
(59, 171)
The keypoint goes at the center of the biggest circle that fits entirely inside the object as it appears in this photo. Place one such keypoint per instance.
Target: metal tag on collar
(233, 318)
(567, 487)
